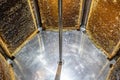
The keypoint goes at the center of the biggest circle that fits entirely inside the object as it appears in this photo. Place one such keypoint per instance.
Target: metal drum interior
(63, 54)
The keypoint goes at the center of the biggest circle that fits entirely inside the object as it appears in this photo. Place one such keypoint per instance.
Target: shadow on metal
(58, 73)
(19, 73)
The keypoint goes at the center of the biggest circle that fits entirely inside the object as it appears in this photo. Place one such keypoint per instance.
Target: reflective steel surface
(38, 60)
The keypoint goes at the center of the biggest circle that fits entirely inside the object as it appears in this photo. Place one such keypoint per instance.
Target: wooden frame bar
(7, 72)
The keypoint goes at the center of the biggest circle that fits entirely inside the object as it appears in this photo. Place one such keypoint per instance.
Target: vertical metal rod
(60, 24)
(37, 13)
(86, 9)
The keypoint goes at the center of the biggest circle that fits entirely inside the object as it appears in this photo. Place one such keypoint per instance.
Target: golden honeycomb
(103, 26)
(17, 24)
(71, 11)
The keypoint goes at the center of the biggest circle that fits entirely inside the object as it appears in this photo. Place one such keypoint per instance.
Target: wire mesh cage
(103, 26)
(17, 24)
(71, 11)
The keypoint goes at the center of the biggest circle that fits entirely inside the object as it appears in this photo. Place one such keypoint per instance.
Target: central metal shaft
(60, 24)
